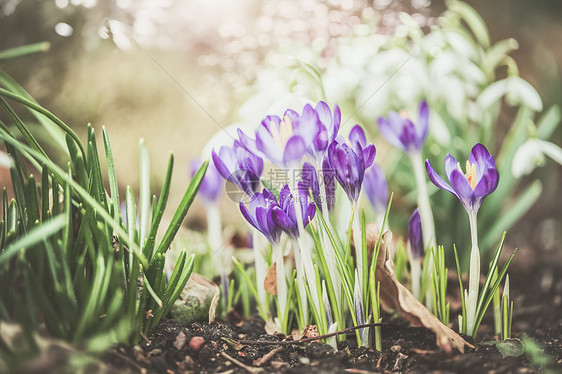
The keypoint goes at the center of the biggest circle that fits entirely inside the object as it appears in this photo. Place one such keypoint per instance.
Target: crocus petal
(423, 121)
(489, 181)
(357, 135)
(294, 150)
(248, 143)
(308, 123)
(292, 115)
(349, 169)
(211, 185)
(324, 114)
(246, 213)
(408, 135)
(478, 156)
(220, 162)
(284, 194)
(389, 133)
(403, 133)
(268, 195)
(462, 187)
(265, 142)
(336, 123)
(450, 165)
(282, 219)
(369, 153)
(329, 180)
(436, 179)
(309, 213)
(415, 234)
(376, 187)
(320, 140)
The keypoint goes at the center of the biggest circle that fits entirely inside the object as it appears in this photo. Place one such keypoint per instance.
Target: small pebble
(304, 360)
(396, 348)
(180, 341)
(196, 343)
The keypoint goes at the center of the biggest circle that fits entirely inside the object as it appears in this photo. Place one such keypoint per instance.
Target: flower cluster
(310, 146)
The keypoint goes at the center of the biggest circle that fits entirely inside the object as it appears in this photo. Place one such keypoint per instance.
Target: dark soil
(536, 288)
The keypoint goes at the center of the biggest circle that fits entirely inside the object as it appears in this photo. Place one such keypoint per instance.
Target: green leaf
(89, 200)
(34, 237)
(509, 347)
(53, 130)
(36, 107)
(113, 186)
(144, 199)
(25, 50)
(21, 126)
(496, 54)
(473, 19)
(148, 248)
(548, 122)
(183, 208)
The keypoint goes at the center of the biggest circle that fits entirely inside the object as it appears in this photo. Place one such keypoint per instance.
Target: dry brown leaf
(270, 282)
(271, 328)
(395, 296)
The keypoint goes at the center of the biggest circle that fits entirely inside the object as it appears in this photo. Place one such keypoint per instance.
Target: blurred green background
(176, 72)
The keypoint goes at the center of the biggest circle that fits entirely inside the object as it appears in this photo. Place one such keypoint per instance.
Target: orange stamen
(470, 175)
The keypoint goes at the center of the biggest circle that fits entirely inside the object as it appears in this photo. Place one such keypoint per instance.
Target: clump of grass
(70, 262)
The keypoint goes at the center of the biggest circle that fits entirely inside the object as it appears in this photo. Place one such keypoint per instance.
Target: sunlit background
(178, 73)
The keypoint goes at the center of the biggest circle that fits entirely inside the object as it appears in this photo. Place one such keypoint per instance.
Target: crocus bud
(376, 187)
(415, 235)
(212, 185)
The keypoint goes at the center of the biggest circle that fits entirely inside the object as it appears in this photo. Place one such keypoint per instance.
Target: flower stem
(214, 238)
(329, 250)
(261, 269)
(426, 215)
(415, 273)
(281, 286)
(306, 258)
(358, 244)
(300, 281)
(474, 277)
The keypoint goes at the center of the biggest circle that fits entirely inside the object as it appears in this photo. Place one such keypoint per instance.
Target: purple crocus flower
(322, 128)
(260, 215)
(239, 166)
(211, 185)
(286, 140)
(280, 140)
(376, 187)
(284, 213)
(480, 180)
(310, 182)
(415, 234)
(401, 132)
(350, 161)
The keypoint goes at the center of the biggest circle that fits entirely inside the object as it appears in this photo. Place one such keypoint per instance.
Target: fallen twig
(267, 357)
(249, 369)
(308, 340)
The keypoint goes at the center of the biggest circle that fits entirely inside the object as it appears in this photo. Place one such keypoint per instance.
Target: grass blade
(34, 237)
(182, 209)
